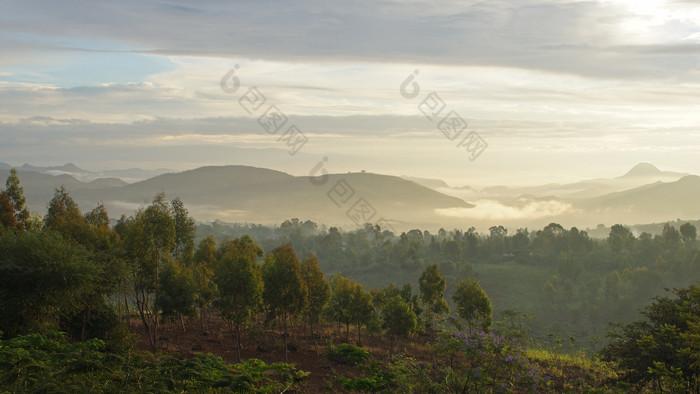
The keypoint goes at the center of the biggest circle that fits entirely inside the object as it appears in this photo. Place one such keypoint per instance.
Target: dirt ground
(267, 345)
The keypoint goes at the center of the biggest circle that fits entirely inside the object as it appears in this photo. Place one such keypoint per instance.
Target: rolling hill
(241, 193)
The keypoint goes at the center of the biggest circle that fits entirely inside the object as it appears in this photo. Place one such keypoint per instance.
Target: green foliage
(42, 278)
(347, 354)
(239, 282)
(284, 291)
(398, 317)
(64, 216)
(663, 350)
(432, 292)
(203, 273)
(494, 362)
(37, 363)
(340, 306)
(473, 304)
(177, 292)
(319, 290)
(185, 229)
(15, 193)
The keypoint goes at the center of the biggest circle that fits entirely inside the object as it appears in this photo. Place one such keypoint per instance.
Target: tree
(284, 291)
(240, 286)
(16, 194)
(362, 309)
(340, 306)
(177, 295)
(64, 216)
(148, 239)
(689, 234)
(473, 304)
(319, 291)
(663, 350)
(398, 318)
(185, 230)
(432, 292)
(43, 277)
(205, 258)
(671, 238)
(620, 239)
(7, 212)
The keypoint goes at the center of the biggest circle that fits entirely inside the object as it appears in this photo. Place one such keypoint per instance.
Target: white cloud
(495, 210)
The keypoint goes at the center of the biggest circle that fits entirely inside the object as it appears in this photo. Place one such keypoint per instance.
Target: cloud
(576, 37)
(495, 210)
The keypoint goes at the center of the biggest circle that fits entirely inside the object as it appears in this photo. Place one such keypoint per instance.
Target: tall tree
(319, 292)
(7, 212)
(177, 295)
(205, 258)
(398, 318)
(148, 240)
(64, 216)
(340, 307)
(16, 194)
(689, 234)
(432, 292)
(240, 286)
(620, 239)
(284, 291)
(473, 304)
(363, 311)
(185, 230)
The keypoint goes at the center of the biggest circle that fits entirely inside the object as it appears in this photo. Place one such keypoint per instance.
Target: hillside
(654, 202)
(242, 193)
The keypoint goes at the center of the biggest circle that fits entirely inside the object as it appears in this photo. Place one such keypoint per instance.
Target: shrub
(347, 354)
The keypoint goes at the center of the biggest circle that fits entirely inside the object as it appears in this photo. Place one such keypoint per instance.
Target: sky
(472, 92)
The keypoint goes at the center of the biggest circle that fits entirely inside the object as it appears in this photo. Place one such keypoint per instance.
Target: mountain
(241, 193)
(131, 175)
(642, 169)
(648, 170)
(128, 175)
(641, 174)
(427, 182)
(258, 195)
(653, 202)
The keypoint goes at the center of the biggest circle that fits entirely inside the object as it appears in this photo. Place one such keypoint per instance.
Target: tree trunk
(285, 337)
(177, 337)
(347, 332)
(119, 307)
(128, 312)
(201, 320)
(313, 339)
(359, 334)
(86, 312)
(141, 306)
(238, 343)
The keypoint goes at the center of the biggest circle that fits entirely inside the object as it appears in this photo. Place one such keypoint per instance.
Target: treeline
(571, 284)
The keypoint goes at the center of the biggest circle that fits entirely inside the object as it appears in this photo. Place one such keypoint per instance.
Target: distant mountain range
(644, 194)
(127, 175)
(241, 193)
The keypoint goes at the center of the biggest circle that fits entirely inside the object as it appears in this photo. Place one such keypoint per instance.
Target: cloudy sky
(550, 90)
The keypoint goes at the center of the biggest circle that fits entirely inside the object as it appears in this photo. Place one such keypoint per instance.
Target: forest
(93, 304)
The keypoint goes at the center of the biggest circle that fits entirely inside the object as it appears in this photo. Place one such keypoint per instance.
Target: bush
(49, 363)
(347, 354)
